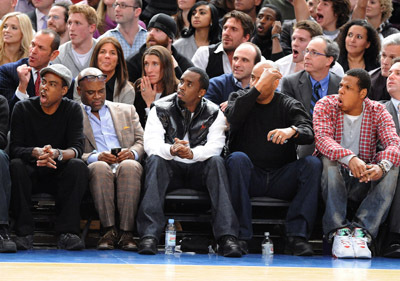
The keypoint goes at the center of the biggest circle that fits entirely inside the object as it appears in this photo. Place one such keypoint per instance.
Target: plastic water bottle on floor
(170, 237)
(267, 246)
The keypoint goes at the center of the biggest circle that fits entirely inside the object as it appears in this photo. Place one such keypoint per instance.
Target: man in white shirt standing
(76, 53)
(184, 137)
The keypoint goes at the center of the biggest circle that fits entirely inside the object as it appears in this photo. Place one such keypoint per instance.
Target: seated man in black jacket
(45, 144)
(265, 127)
(184, 137)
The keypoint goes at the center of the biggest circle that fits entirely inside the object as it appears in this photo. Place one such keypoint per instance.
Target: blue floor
(121, 257)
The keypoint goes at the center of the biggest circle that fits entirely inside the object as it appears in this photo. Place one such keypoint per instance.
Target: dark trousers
(67, 183)
(161, 175)
(298, 182)
(5, 187)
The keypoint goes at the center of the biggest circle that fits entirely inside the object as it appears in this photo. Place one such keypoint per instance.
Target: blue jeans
(298, 182)
(374, 198)
(5, 187)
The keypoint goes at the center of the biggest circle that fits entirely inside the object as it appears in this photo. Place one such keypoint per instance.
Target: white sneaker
(360, 244)
(342, 245)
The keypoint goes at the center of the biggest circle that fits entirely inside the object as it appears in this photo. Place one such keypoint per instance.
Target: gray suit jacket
(67, 58)
(392, 110)
(298, 86)
(126, 124)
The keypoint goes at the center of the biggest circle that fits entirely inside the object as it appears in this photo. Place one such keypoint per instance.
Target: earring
(199, 97)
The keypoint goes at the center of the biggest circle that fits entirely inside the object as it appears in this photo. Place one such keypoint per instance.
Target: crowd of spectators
(133, 98)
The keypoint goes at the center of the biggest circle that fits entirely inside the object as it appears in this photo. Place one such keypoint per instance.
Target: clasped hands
(364, 172)
(45, 156)
(181, 149)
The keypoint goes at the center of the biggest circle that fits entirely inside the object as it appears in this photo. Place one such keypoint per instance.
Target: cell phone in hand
(115, 151)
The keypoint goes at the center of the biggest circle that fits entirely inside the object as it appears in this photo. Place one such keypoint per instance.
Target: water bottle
(170, 237)
(267, 246)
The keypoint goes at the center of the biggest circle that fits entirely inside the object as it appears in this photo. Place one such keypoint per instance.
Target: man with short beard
(160, 31)
(237, 28)
(58, 18)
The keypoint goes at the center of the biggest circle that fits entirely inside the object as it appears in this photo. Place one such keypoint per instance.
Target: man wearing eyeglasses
(129, 33)
(316, 80)
(46, 143)
(108, 125)
(76, 54)
(58, 18)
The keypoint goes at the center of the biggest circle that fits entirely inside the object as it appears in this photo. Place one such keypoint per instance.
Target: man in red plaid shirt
(348, 128)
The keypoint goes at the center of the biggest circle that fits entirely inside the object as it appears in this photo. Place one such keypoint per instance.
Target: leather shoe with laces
(298, 246)
(147, 246)
(126, 242)
(109, 240)
(229, 247)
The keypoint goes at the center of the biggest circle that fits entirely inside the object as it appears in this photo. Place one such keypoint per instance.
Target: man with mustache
(161, 30)
(184, 137)
(76, 54)
(46, 143)
(129, 33)
(348, 128)
(237, 28)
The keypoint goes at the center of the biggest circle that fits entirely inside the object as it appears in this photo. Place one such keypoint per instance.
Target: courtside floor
(120, 265)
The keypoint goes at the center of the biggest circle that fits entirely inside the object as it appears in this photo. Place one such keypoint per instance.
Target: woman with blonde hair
(16, 34)
(158, 80)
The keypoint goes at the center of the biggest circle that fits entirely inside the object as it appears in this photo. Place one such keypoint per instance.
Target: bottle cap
(171, 220)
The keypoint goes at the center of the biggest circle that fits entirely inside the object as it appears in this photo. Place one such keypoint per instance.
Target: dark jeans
(374, 198)
(298, 182)
(67, 183)
(5, 187)
(394, 215)
(161, 175)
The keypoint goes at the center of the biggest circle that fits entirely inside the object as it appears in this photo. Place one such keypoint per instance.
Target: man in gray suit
(108, 125)
(316, 80)
(392, 247)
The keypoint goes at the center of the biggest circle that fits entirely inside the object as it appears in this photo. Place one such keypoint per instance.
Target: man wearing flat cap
(161, 30)
(46, 143)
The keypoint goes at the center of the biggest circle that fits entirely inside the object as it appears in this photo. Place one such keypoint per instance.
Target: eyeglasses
(123, 6)
(92, 78)
(314, 53)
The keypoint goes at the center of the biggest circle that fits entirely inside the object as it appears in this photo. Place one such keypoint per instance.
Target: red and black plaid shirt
(377, 125)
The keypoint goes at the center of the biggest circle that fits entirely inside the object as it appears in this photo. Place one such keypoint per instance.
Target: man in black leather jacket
(184, 137)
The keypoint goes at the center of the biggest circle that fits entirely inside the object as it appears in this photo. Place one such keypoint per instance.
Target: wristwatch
(60, 155)
(296, 130)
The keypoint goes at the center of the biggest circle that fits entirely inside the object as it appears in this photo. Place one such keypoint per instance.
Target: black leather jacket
(177, 120)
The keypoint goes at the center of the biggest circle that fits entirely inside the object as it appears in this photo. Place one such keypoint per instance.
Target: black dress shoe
(229, 247)
(298, 246)
(392, 251)
(147, 246)
(243, 246)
